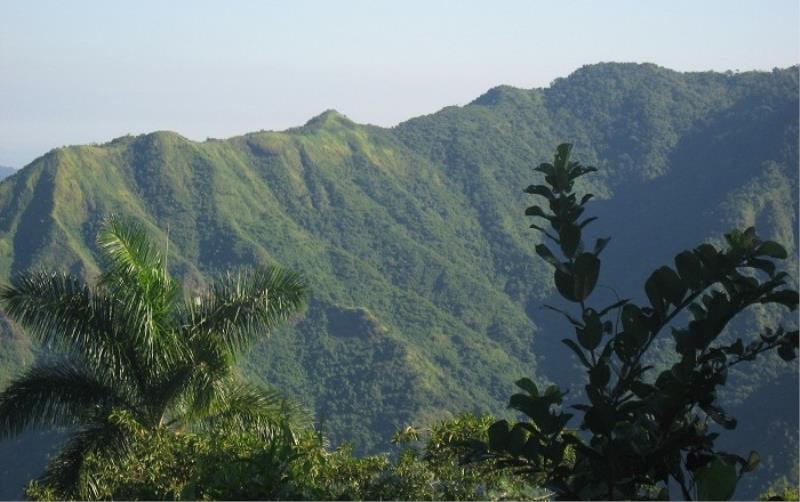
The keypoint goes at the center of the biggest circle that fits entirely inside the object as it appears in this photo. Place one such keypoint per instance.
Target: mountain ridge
(487, 98)
(421, 224)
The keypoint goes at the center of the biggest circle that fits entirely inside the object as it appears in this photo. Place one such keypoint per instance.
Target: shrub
(638, 431)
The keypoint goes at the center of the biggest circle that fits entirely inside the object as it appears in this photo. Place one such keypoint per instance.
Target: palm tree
(132, 352)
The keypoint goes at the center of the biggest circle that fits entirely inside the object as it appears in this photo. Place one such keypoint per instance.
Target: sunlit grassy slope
(426, 287)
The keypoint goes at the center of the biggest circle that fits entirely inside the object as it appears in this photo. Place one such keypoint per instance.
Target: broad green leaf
(539, 190)
(785, 297)
(765, 265)
(600, 419)
(613, 306)
(545, 168)
(752, 462)
(633, 323)
(571, 319)
(544, 252)
(690, 269)
(528, 386)
(600, 245)
(716, 480)
(577, 350)
(655, 293)
(498, 435)
(670, 285)
(587, 269)
(562, 155)
(565, 284)
(641, 389)
(525, 403)
(742, 241)
(626, 344)
(600, 375)
(772, 249)
(536, 211)
(590, 335)
(711, 259)
(720, 416)
(787, 352)
(517, 439)
(569, 236)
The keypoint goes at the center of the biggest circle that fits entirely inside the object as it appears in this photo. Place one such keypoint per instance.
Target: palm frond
(243, 406)
(147, 297)
(127, 250)
(172, 391)
(64, 473)
(64, 313)
(241, 306)
(54, 394)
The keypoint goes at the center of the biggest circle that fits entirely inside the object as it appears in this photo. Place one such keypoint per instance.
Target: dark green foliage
(638, 432)
(133, 357)
(352, 352)
(223, 465)
(165, 464)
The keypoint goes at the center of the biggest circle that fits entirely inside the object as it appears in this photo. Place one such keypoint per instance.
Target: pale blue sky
(88, 71)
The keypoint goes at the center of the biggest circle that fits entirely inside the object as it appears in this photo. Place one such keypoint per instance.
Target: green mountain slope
(426, 285)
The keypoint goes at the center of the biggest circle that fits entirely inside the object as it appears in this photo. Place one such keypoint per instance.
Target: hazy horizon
(88, 72)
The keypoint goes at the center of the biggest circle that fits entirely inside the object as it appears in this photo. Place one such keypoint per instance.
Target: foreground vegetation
(133, 357)
(220, 465)
(148, 384)
(641, 429)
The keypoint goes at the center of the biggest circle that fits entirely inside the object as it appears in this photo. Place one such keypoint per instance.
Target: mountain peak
(164, 135)
(495, 95)
(329, 119)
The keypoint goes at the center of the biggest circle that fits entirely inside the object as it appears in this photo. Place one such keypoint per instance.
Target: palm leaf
(64, 313)
(137, 356)
(64, 473)
(240, 307)
(171, 392)
(54, 394)
(127, 251)
(147, 297)
(243, 406)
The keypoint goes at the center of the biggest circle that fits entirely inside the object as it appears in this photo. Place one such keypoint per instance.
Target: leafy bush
(167, 465)
(638, 432)
(174, 465)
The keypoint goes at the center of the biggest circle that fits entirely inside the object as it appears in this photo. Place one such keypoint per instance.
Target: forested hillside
(426, 287)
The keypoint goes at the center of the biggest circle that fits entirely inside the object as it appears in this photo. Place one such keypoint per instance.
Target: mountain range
(427, 291)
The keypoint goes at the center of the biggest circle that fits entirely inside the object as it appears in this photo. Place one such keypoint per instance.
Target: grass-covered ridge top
(598, 76)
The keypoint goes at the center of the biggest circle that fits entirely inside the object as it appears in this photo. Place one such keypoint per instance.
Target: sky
(88, 71)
